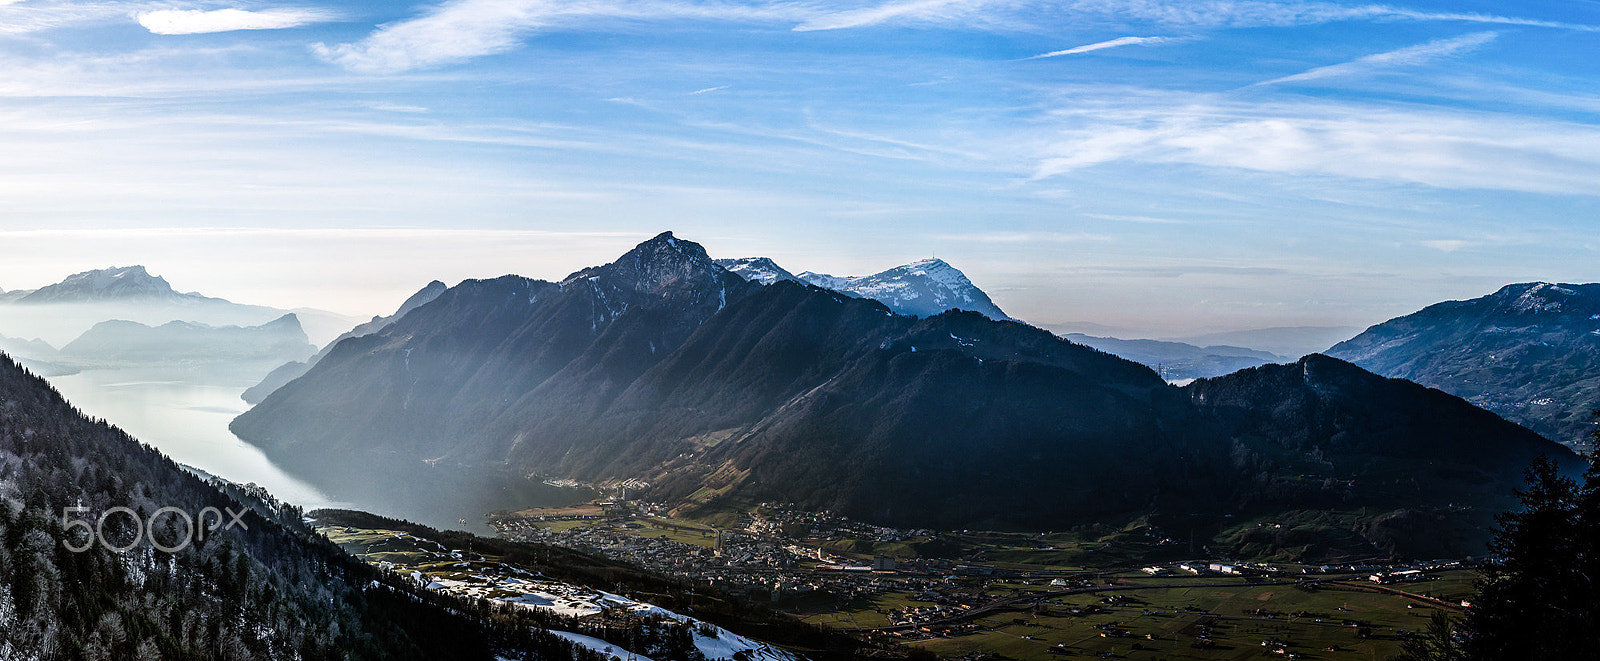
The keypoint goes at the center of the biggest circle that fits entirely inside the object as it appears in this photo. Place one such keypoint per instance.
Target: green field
(1332, 622)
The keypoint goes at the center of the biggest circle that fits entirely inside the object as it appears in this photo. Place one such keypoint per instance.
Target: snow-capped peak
(920, 289)
(127, 282)
(756, 269)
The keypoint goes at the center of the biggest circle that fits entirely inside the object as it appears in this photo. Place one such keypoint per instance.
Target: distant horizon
(247, 289)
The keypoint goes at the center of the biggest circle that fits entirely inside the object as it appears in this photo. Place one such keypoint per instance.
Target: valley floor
(1008, 595)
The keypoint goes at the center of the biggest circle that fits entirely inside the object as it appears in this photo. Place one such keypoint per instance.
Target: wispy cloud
(460, 30)
(1180, 13)
(1404, 57)
(1446, 245)
(1026, 14)
(914, 11)
(391, 107)
(18, 18)
(1121, 218)
(710, 89)
(1113, 43)
(464, 29)
(1441, 148)
(1024, 237)
(453, 32)
(199, 21)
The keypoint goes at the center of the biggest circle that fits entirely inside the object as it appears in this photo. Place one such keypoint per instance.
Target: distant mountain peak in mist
(109, 284)
(920, 289)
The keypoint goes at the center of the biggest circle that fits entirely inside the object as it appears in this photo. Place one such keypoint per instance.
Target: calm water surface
(185, 411)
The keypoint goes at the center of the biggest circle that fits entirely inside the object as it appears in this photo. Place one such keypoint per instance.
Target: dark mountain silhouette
(1322, 433)
(712, 392)
(1529, 352)
(446, 371)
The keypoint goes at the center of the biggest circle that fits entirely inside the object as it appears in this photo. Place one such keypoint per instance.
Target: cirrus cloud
(1113, 43)
(1404, 57)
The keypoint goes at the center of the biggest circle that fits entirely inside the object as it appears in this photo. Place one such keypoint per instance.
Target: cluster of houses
(783, 520)
(1402, 576)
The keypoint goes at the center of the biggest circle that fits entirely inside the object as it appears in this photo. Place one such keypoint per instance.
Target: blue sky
(1165, 167)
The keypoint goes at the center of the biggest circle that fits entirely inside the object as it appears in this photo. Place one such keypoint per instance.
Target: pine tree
(1537, 597)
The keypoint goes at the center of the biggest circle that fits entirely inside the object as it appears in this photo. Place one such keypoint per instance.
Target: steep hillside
(261, 587)
(428, 386)
(628, 370)
(294, 369)
(1322, 433)
(664, 371)
(1529, 352)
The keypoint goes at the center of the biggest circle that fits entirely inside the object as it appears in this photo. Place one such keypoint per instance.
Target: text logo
(142, 528)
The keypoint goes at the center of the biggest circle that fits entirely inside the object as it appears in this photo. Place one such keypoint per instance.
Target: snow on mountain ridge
(825, 281)
(757, 269)
(920, 289)
(113, 283)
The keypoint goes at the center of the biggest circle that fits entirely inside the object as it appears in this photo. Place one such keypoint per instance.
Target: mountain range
(60, 312)
(119, 342)
(669, 372)
(1529, 352)
(1288, 341)
(931, 286)
(1177, 361)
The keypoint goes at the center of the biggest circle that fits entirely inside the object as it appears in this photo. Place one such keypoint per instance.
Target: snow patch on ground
(601, 646)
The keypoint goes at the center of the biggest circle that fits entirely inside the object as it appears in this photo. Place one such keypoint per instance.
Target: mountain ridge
(294, 369)
(1529, 351)
(114, 283)
(666, 372)
(128, 342)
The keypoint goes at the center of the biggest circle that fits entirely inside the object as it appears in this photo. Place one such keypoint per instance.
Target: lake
(184, 411)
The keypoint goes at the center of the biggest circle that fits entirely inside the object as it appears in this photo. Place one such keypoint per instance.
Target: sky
(1161, 168)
